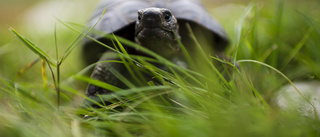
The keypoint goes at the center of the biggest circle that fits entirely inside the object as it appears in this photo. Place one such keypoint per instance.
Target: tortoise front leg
(104, 72)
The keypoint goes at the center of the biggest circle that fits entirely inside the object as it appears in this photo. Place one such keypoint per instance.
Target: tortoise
(154, 24)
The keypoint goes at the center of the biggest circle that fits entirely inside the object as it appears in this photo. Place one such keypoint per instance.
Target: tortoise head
(156, 29)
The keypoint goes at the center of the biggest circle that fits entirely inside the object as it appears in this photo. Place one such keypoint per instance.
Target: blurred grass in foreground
(283, 34)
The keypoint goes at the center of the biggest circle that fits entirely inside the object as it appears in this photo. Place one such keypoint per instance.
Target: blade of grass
(255, 93)
(122, 78)
(56, 85)
(297, 48)
(129, 94)
(24, 69)
(26, 93)
(205, 55)
(184, 51)
(277, 37)
(97, 83)
(56, 41)
(134, 91)
(129, 63)
(79, 39)
(34, 48)
(86, 69)
(154, 70)
(44, 75)
(151, 83)
(268, 53)
(71, 90)
(239, 31)
(7, 84)
(224, 61)
(312, 21)
(164, 74)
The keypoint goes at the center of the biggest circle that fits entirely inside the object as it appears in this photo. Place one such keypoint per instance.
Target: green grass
(275, 43)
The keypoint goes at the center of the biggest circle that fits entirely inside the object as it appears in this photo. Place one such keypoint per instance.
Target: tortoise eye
(139, 15)
(167, 16)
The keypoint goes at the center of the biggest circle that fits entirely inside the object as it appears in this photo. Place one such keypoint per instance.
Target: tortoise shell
(121, 15)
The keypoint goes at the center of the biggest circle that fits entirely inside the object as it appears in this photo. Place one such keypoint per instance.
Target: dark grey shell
(122, 13)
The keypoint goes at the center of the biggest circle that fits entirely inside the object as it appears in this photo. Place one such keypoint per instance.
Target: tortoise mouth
(159, 40)
(155, 33)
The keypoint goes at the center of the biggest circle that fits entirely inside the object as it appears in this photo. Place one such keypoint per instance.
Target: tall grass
(274, 44)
